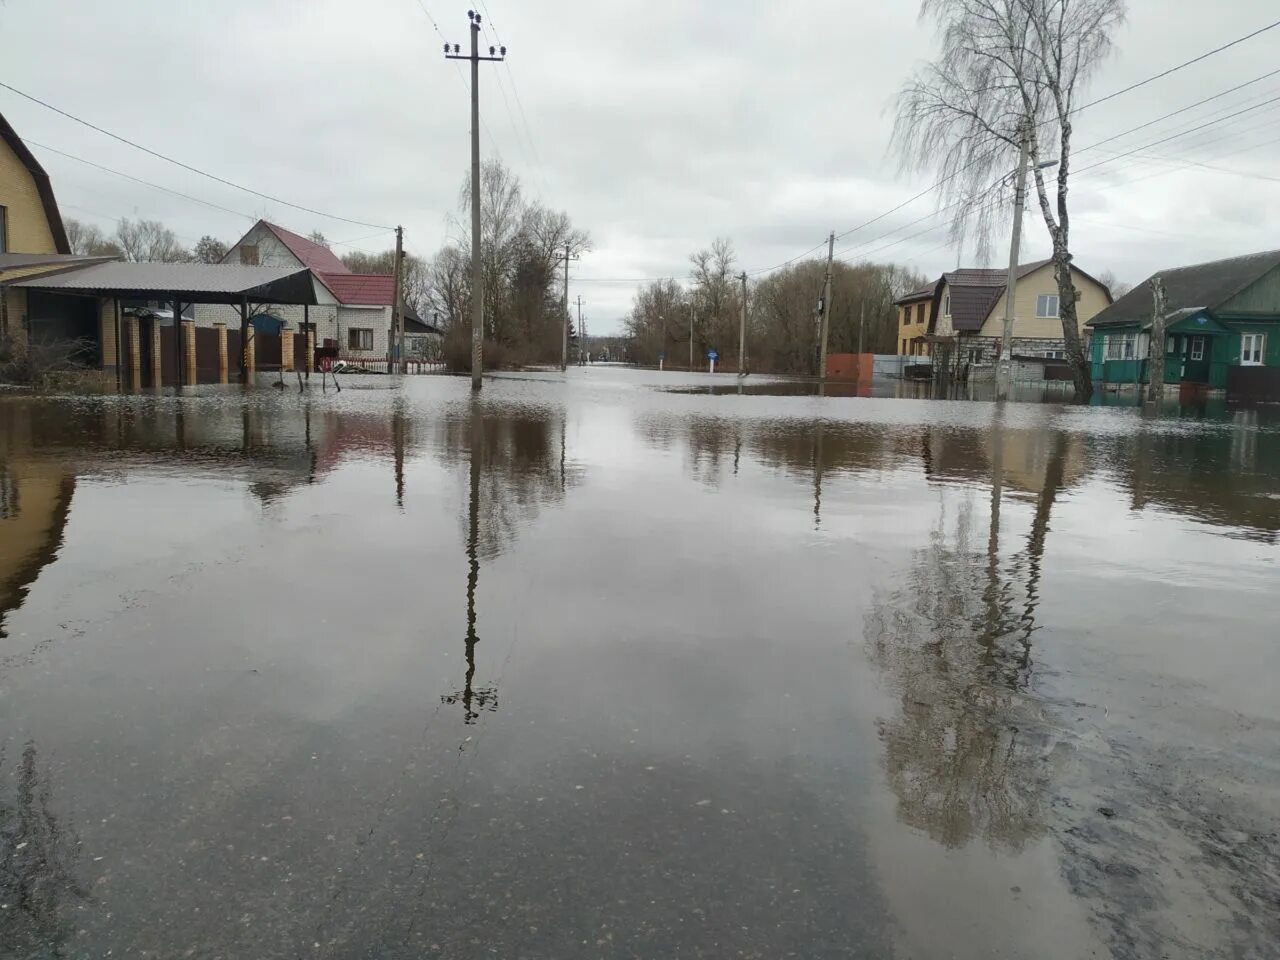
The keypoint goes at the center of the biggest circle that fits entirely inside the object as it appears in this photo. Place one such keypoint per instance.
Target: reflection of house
(353, 311)
(969, 305)
(34, 501)
(1218, 315)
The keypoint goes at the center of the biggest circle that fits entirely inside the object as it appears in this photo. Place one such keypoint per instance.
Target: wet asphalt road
(600, 669)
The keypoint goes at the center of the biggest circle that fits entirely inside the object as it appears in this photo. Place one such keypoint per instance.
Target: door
(1197, 349)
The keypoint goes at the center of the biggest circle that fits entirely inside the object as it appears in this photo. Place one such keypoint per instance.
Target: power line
(1134, 86)
(176, 193)
(187, 166)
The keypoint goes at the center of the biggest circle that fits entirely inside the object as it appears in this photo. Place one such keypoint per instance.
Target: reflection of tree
(964, 756)
(38, 857)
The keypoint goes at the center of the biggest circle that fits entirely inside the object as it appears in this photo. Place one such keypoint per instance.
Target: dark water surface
(601, 670)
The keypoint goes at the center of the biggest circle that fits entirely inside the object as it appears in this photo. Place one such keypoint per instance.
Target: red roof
(314, 256)
(367, 289)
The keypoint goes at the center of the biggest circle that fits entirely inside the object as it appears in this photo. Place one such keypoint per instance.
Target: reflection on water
(955, 642)
(745, 622)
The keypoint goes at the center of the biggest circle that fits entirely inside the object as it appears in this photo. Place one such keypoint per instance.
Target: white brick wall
(377, 319)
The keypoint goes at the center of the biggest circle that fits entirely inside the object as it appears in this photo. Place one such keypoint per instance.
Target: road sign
(712, 355)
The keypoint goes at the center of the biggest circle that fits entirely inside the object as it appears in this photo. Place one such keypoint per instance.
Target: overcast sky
(657, 126)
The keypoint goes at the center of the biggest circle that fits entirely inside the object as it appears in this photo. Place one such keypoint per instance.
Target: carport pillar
(246, 358)
(157, 361)
(222, 351)
(189, 345)
(286, 351)
(179, 377)
(134, 337)
(310, 333)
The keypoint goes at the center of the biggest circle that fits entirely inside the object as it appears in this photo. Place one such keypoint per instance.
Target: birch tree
(1007, 69)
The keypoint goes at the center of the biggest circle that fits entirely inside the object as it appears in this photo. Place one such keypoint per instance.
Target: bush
(457, 354)
(43, 364)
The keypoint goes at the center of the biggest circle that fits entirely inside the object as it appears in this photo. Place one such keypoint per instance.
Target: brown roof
(314, 256)
(974, 293)
(43, 187)
(924, 293)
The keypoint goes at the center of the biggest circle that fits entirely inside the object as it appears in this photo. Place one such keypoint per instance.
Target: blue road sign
(712, 355)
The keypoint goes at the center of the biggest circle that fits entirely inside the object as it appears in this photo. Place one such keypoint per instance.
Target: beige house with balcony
(968, 305)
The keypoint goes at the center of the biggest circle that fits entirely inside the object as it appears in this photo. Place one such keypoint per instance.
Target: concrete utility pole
(742, 329)
(1155, 349)
(862, 322)
(691, 335)
(566, 321)
(582, 339)
(397, 306)
(477, 272)
(1004, 378)
(826, 309)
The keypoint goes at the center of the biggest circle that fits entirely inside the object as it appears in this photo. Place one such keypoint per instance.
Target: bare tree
(1113, 283)
(315, 236)
(1008, 69)
(87, 240)
(149, 240)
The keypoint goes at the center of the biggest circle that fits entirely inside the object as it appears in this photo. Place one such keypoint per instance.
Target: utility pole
(1004, 375)
(582, 339)
(826, 309)
(862, 322)
(565, 321)
(477, 273)
(691, 335)
(1155, 349)
(742, 329)
(397, 307)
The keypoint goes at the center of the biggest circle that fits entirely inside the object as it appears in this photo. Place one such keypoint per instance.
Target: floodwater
(597, 669)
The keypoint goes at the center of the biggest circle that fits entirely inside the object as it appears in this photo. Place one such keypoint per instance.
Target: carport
(140, 351)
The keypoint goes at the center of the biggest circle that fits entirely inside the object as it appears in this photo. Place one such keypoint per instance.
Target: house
(1218, 316)
(967, 307)
(914, 313)
(353, 310)
(34, 243)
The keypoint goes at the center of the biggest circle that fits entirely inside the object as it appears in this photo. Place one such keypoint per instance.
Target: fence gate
(267, 351)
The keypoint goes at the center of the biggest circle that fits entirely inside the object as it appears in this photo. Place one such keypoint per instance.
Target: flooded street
(609, 669)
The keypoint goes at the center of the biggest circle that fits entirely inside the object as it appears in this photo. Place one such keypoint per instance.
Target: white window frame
(1258, 343)
(1120, 346)
(1197, 344)
(365, 335)
(1046, 298)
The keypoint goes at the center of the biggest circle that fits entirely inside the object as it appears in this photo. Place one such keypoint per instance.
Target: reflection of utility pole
(477, 272)
(486, 698)
(817, 475)
(397, 441)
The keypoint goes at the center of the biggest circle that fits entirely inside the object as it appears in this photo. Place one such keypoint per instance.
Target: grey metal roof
(191, 282)
(1204, 286)
(20, 261)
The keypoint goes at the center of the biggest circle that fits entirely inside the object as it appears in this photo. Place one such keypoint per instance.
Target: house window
(1120, 346)
(920, 313)
(1047, 306)
(4, 229)
(1197, 348)
(1251, 347)
(359, 339)
(946, 305)
(249, 254)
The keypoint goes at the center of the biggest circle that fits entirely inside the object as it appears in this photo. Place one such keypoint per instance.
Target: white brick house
(353, 311)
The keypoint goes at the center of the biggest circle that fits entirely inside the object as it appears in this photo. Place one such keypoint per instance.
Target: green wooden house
(1217, 315)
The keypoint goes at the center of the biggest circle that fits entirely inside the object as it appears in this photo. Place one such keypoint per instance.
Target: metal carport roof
(189, 282)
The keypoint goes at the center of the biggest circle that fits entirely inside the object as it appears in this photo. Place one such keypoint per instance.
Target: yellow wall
(28, 227)
(1025, 323)
(912, 325)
